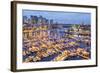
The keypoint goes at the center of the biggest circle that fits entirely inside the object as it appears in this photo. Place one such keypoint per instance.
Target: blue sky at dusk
(61, 17)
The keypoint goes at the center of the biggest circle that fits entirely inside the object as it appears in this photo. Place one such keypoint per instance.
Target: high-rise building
(34, 19)
(44, 21)
(25, 20)
(29, 22)
(40, 19)
(51, 21)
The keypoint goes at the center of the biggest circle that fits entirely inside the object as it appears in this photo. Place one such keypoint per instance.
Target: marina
(45, 40)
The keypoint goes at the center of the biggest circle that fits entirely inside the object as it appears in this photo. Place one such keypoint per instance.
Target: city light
(47, 40)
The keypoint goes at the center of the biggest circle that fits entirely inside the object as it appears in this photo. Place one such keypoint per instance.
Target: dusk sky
(61, 17)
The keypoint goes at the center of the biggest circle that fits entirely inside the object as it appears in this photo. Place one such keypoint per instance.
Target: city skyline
(61, 17)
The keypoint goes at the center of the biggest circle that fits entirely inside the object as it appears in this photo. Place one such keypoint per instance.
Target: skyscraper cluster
(36, 20)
